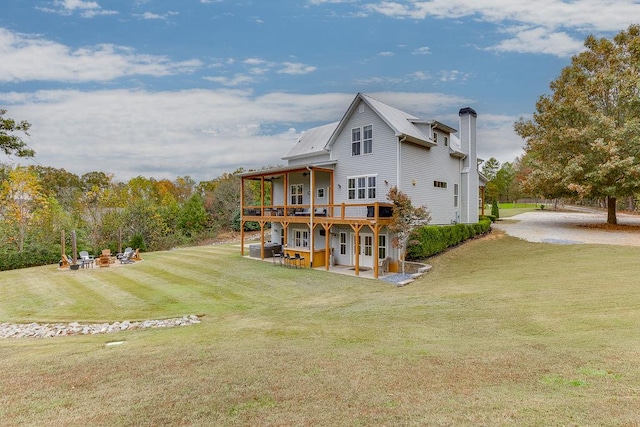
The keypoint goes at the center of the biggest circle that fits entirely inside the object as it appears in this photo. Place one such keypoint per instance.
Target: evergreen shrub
(430, 240)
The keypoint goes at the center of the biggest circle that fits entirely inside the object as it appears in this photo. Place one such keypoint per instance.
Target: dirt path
(572, 226)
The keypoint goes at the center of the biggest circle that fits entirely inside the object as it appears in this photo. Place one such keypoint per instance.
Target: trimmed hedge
(31, 257)
(432, 239)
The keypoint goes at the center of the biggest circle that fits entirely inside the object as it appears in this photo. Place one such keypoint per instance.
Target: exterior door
(366, 249)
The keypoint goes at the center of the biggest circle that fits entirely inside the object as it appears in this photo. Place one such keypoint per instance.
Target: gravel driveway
(570, 226)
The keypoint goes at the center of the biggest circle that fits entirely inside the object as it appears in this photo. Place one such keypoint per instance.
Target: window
(343, 243)
(362, 187)
(439, 184)
(371, 187)
(320, 193)
(301, 239)
(382, 246)
(368, 245)
(446, 141)
(355, 142)
(352, 188)
(435, 137)
(282, 236)
(368, 139)
(296, 194)
(362, 140)
(455, 195)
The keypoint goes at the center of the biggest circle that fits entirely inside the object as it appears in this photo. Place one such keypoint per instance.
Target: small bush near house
(432, 239)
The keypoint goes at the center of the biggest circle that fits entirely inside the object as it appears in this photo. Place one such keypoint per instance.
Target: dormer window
(446, 141)
(435, 137)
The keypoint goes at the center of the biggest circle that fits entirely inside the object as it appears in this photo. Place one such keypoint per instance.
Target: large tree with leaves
(10, 141)
(584, 138)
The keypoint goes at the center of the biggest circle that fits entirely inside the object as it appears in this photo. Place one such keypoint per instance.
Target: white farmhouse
(329, 205)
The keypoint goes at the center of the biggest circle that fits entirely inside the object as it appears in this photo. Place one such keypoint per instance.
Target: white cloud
(540, 22)
(420, 76)
(539, 40)
(296, 68)
(86, 9)
(386, 53)
(496, 138)
(32, 58)
(155, 16)
(452, 76)
(201, 133)
(234, 81)
(424, 50)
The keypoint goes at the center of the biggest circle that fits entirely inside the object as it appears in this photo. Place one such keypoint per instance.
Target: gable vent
(361, 108)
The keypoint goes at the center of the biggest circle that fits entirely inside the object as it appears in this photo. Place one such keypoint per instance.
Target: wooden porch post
(262, 224)
(376, 249)
(327, 242)
(285, 228)
(356, 244)
(242, 217)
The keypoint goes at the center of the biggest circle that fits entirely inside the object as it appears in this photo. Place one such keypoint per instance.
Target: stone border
(47, 330)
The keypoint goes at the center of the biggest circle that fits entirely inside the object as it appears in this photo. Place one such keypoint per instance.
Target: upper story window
(446, 141)
(296, 194)
(361, 187)
(362, 140)
(368, 139)
(439, 184)
(356, 141)
(435, 137)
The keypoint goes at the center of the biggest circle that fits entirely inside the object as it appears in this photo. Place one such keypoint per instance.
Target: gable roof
(319, 140)
(311, 142)
(403, 124)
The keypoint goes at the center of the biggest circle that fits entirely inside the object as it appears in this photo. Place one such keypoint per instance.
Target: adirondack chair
(105, 258)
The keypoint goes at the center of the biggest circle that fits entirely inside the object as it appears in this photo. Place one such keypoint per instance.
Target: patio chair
(127, 258)
(298, 260)
(277, 259)
(383, 266)
(87, 260)
(126, 252)
(105, 258)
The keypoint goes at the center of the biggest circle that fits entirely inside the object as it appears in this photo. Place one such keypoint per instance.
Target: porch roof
(287, 169)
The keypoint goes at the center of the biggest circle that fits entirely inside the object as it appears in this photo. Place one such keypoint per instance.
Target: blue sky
(166, 88)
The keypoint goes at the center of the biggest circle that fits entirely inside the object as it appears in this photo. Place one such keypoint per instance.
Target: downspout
(311, 214)
(399, 161)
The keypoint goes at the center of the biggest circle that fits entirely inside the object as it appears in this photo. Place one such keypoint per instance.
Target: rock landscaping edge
(47, 330)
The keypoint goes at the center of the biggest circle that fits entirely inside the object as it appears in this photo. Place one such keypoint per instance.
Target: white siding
(307, 160)
(420, 167)
(381, 162)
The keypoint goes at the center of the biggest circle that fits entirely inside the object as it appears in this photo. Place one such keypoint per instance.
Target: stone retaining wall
(36, 330)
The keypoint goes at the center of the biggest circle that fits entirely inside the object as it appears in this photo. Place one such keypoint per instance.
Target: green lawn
(501, 332)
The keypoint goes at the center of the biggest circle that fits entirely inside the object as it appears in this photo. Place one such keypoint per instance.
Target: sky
(168, 88)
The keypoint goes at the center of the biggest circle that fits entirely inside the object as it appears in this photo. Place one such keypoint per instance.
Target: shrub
(31, 257)
(430, 240)
(495, 210)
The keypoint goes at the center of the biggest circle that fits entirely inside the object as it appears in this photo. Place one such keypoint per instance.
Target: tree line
(38, 202)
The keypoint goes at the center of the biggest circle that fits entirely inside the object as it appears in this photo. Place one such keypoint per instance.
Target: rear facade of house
(329, 203)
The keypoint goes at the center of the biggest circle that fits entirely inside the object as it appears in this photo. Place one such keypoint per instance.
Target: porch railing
(342, 211)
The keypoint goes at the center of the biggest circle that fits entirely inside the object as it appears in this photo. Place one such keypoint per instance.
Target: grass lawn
(501, 332)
